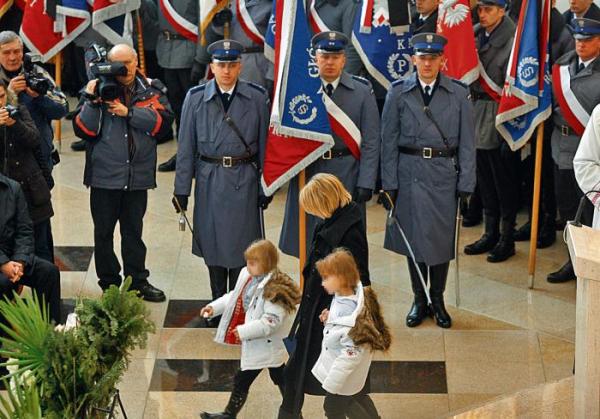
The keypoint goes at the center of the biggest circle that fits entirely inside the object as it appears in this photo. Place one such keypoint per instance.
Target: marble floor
(505, 337)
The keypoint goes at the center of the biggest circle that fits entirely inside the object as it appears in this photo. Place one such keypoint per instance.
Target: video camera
(35, 81)
(107, 88)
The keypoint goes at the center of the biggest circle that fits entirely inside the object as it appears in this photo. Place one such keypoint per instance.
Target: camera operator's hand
(18, 84)
(90, 87)
(117, 108)
(5, 119)
(31, 92)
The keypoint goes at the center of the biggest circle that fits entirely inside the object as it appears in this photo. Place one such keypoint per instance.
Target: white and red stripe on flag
(573, 112)
(247, 23)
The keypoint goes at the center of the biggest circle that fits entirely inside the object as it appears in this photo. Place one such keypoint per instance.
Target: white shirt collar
(424, 17)
(230, 91)
(586, 63)
(334, 83)
(423, 84)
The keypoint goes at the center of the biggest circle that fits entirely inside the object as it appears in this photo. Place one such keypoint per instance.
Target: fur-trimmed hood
(370, 328)
(282, 290)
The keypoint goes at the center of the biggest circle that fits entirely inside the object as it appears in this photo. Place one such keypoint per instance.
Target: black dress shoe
(546, 238)
(523, 234)
(78, 145)
(169, 165)
(469, 221)
(149, 293)
(222, 415)
(442, 318)
(418, 312)
(502, 251)
(564, 274)
(486, 243)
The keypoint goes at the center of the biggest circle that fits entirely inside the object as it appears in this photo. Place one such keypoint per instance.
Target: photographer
(35, 89)
(19, 143)
(120, 119)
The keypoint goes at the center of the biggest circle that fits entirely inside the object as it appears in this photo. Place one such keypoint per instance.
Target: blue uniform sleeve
(390, 137)
(466, 146)
(186, 147)
(370, 143)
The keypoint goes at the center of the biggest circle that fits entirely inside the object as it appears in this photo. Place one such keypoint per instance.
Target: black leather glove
(264, 201)
(222, 17)
(183, 202)
(361, 195)
(464, 196)
(388, 199)
(197, 73)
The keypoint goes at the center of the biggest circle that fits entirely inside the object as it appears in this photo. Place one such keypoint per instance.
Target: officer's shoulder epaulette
(197, 89)
(362, 80)
(460, 83)
(397, 82)
(257, 87)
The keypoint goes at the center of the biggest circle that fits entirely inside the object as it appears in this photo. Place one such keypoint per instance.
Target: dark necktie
(580, 68)
(428, 91)
(225, 97)
(329, 89)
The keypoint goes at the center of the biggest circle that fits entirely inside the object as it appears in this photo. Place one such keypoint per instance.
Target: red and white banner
(184, 27)
(47, 36)
(316, 23)
(208, 10)
(490, 87)
(113, 19)
(573, 112)
(247, 23)
(343, 126)
(454, 23)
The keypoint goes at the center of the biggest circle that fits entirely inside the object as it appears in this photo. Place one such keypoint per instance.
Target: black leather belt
(170, 36)
(481, 96)
(566, 130)
(228, 161)
(428, 152)
(334, 154)
(250, 50)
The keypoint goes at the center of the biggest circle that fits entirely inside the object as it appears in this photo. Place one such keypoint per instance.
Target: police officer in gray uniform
(255, 66)
(583, 66)
(427, 160)
(497, 165)
(221, 144)
(175, 54)
(338, 15)
(354, 95)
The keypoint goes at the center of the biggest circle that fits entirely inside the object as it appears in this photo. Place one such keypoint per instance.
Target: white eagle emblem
(454, 15)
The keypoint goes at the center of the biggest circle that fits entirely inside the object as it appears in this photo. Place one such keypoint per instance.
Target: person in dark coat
(342, 225)
(581, 8)
(22, 161)
(18, 263)
(425, 18)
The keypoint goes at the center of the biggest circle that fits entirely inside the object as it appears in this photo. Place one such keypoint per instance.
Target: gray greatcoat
(355, 97)
(427, 188)
(585, 85)
(226, 218)
(177, 53)
(494, 55)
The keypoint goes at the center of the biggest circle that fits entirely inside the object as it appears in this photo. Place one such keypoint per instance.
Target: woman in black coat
(342, 226)
(21, 160)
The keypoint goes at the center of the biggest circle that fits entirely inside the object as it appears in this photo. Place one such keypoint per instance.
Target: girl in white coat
(256, 314)
(354, 328)
(587, 163)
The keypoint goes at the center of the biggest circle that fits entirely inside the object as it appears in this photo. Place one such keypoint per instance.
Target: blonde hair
(265, 253)
(340, 263)
(323, 194)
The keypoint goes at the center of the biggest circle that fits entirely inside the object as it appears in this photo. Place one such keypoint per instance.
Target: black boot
(169, 165)
(419, 310)
(78, 145)
(547, 233)
(506, 245)
(439, 274)
(564, 274)
(236, 402)
(487, 241)
(523, 233)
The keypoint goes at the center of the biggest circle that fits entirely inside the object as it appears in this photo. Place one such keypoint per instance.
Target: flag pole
(140, 42)
(301, 227)
(535, 205)
(58, 77)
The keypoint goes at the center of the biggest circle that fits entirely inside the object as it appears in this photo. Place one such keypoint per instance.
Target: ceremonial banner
(185, 28)
(45, 35)
(113, 20)
(526, 97)
(247, 23)
(300, 131)
(385, 54)
(208, 10)
(454, 23)
(270, 35)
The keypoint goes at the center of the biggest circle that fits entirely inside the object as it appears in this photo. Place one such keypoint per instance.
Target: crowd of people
(429, 148)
